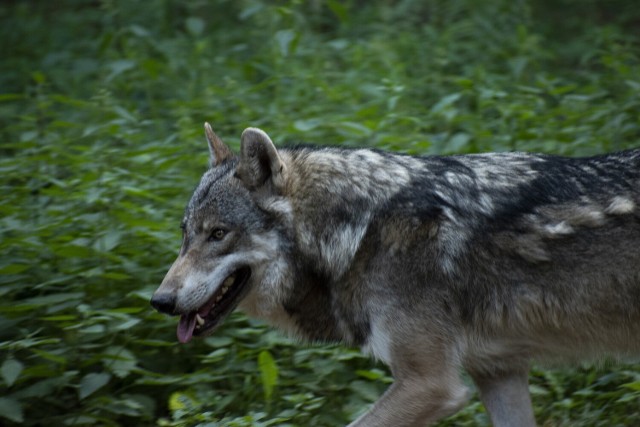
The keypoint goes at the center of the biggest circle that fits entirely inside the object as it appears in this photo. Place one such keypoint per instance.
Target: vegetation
(101, 112)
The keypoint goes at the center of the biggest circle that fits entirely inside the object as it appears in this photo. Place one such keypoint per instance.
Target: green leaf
(73, 251)
(446, 102)
(11, 370)
(39, 77)
(365, 389)
(195, 26)
(354, 129)
(14, 268)
(268, 373)
(60, 318)
(285, 40)
(107, 241)
(126, 310)
(142, 193)
(633, 385)
(93, 329)
(50, 356)
(181, 401)
(120, 66)
(156, 343)
(458, 142)
(339, 9)
(307, 125)
(91, 383)
(120, 361)
(11, 409)
(10, 97)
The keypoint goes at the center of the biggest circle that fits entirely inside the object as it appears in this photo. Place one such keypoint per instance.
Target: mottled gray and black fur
(433, 265)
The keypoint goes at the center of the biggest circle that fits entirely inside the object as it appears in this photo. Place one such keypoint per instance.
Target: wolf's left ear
(260, 162)
(218, 151)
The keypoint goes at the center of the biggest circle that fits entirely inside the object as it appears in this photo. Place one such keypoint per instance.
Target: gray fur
(431, 264)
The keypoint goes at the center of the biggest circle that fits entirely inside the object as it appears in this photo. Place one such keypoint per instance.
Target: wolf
(434, 265)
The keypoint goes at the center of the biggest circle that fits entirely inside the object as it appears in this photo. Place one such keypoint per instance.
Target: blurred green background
(101, 112)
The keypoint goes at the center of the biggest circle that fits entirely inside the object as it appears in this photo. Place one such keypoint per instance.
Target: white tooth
(200, 320)
(218, 298)
(229, 281)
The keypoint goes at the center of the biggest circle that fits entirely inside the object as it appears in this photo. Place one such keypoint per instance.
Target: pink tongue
(185, 327)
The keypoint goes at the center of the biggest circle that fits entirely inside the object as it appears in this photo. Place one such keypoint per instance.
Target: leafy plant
(101, 112)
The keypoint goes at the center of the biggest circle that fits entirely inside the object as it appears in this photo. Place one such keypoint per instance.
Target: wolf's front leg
(506, 397)
(416, 402)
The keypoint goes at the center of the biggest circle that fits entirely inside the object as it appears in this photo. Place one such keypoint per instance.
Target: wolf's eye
(217, 234)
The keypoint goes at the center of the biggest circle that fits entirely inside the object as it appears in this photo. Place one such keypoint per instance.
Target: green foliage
(101, 112)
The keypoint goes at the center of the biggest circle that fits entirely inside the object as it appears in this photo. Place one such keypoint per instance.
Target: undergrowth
(101, 111)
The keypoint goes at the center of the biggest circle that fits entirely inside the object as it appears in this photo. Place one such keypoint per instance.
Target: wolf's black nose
(164, 303)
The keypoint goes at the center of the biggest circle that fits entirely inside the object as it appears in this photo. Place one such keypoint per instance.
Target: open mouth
(221, 303)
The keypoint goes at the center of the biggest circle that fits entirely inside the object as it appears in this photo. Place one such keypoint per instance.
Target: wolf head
(231, 246)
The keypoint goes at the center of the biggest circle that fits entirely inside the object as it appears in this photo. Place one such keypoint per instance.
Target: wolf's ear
(218, 151)
(259, 161)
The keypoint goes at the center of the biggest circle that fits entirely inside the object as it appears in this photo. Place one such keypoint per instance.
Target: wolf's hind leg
(413, 402)
(506, 398)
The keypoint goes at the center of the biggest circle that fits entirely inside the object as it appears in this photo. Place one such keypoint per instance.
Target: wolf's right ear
(260, 162)
(218, 151)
